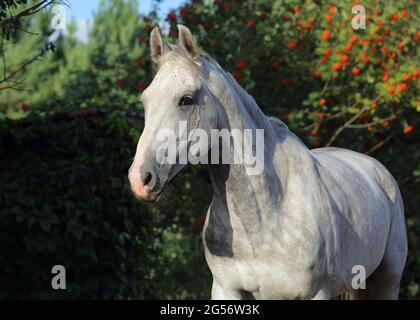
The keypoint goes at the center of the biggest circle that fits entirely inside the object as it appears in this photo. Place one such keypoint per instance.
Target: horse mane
(276, 122)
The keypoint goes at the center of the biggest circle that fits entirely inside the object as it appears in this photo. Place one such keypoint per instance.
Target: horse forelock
(179, 56)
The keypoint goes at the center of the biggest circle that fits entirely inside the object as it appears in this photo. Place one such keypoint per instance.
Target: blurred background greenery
(64, 195)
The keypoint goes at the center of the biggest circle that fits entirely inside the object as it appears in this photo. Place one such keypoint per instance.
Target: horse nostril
(147, 178)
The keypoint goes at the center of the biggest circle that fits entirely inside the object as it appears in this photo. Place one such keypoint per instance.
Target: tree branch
(348, 123)
(49, 46)
(371, 124)
(334, 116)
(380, 144)
(27, 12)
(344, 126)
(324, 88)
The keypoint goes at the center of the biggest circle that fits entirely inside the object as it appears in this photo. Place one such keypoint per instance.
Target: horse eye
(186, 101)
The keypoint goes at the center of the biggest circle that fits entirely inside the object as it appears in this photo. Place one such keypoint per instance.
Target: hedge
(65, 200)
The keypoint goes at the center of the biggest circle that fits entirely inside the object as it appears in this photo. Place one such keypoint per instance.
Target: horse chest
(267, 263)
(266, 271)
(264, 278)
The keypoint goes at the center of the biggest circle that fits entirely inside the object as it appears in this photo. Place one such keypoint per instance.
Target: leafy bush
(303, 60)
(65, 196)
(66, 200)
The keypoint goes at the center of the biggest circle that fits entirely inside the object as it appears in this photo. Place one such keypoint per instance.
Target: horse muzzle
(145, 185)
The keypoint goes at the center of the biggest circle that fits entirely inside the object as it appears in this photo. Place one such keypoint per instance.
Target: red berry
(24, 106)
(275, 64)
(353, 39)
(383, 49)
(315, 143)
(394, 16)
(119, 82)
(227, 6)
(236, 75)
(347, 47)
(241, 64)
(250, 23)
(406, 77)
(325, 35)
(408, 129)
(392, 89)
(328, 18)
(141, 85)
(308, 23)
(182, 11)
(344, 58)
(263, 15)
(171, 16)
(336, 66)
(365, 42)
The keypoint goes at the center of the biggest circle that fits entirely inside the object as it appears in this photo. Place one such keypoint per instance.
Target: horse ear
(157, 46)
(186, 40)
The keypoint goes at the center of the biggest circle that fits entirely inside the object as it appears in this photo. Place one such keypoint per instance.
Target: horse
(300, 227)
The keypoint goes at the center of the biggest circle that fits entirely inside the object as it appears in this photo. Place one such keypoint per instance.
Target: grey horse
(299, 228)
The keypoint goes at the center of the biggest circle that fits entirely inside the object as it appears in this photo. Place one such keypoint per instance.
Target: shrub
(65, 197)
(66, 200)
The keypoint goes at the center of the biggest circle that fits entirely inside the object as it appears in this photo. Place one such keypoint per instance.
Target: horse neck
(255, 199)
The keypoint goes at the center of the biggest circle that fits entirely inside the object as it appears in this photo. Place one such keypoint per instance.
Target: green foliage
(9, 25)
(65, 196)
(43, 77)
(303, 61)
(66, 200)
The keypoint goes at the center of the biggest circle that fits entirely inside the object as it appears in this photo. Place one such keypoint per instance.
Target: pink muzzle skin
(140, 191)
